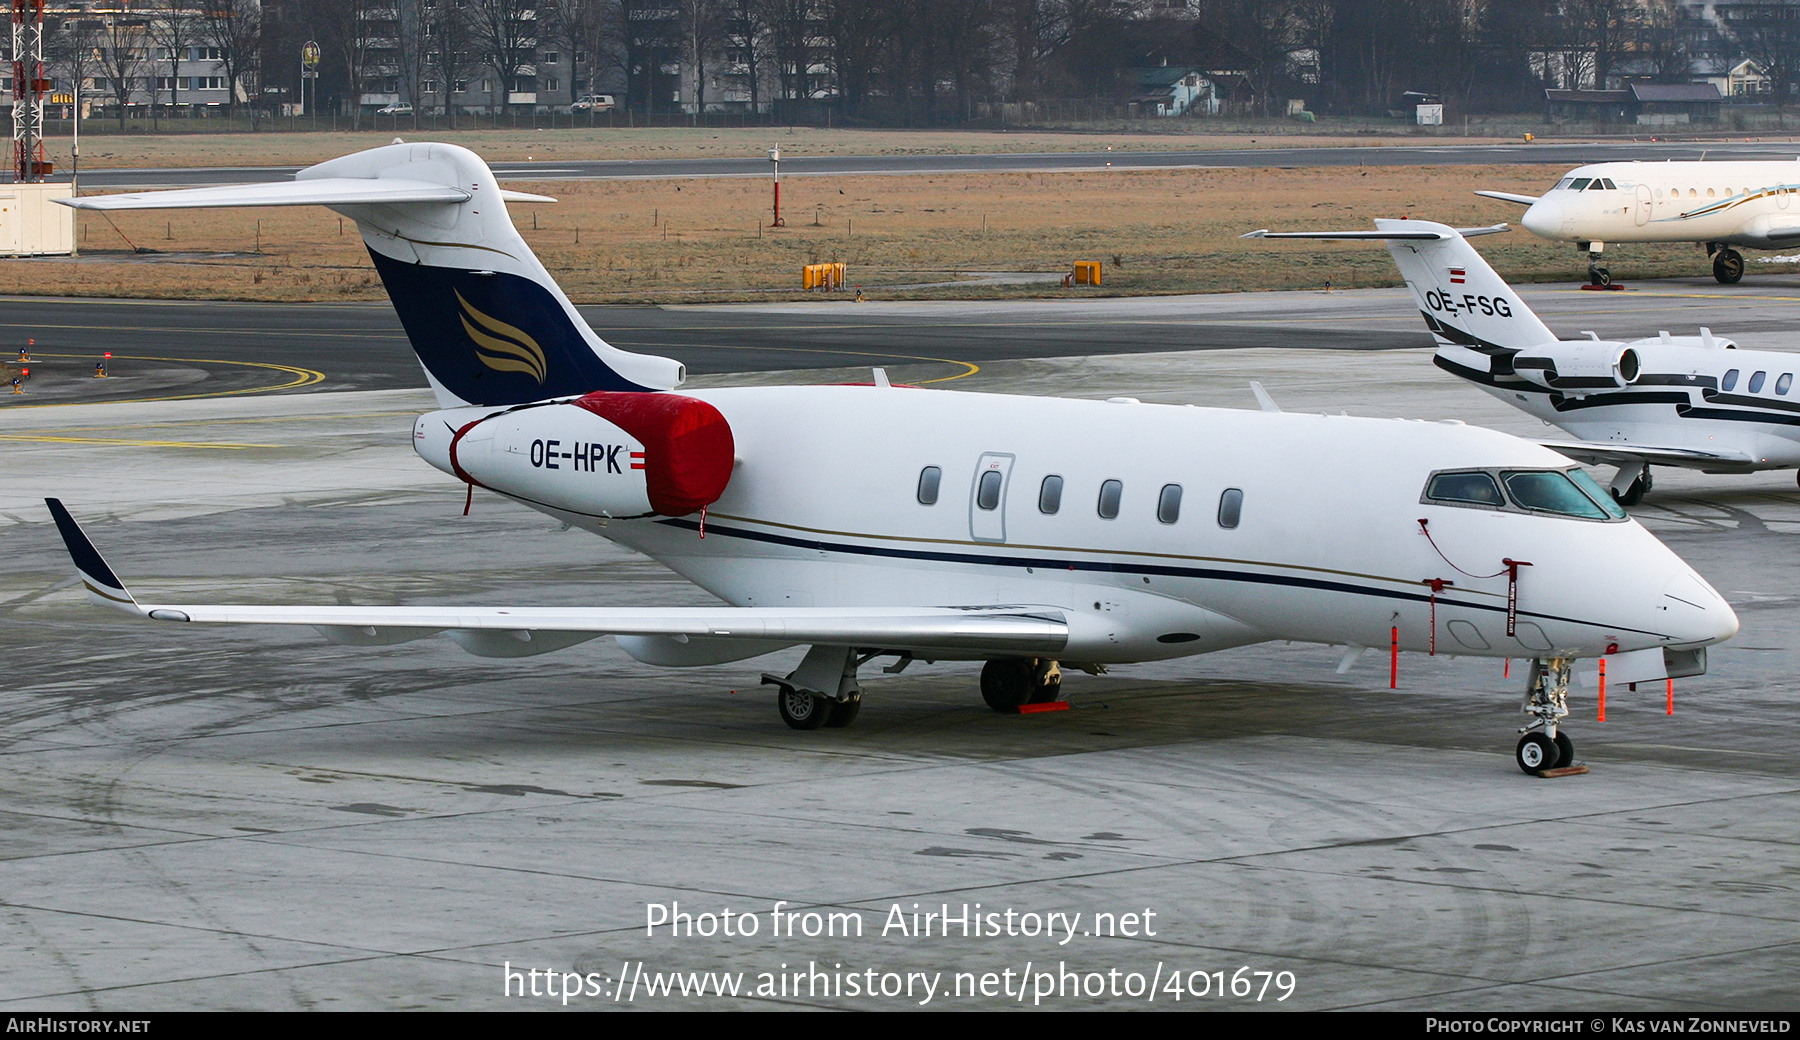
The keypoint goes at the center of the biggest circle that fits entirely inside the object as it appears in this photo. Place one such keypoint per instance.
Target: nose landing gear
(1547, 701)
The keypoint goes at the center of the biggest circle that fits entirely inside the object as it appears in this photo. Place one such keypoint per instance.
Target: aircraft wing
(1421, 235)
(1597, 453)
(1507, 196)
(1005, 629)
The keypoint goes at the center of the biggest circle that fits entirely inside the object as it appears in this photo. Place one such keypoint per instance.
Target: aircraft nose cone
(1694, 613)
(1543, 218)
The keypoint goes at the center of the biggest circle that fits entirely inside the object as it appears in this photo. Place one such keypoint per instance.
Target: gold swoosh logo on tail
(500, 346)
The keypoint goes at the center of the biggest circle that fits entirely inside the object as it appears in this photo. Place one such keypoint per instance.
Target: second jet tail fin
(1464, 301)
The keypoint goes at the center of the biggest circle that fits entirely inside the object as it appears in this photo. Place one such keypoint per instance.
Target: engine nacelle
(610, 455)
(1580, 366)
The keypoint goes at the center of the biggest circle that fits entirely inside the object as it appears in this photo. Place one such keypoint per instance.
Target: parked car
(593, 103)
(398, 108)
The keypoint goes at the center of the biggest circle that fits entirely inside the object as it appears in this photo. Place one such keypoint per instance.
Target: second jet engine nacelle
(606, 455)
(1580, 366)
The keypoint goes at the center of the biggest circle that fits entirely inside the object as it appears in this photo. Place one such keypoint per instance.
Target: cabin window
(929, 477)
(1109, 499)
(1756, 382)
(1559, 492)
(1168, 504)
(987, 489)
(1472, 489)
(1231, 507)
(1729, 383)
(1659, 193)
(1050, 495)
(1580, 183)
(1785, 383)
(1709, 193)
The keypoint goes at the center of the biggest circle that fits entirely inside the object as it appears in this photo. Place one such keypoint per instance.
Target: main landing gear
(1547, 701)
(823, 691)
(1631, 484)
(1010, 682)
(1728, 263)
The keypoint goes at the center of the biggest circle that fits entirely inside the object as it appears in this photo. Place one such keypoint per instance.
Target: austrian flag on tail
(1456, 276)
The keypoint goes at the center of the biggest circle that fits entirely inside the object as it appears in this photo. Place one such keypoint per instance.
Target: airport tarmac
(1349, 153)
(253, 819)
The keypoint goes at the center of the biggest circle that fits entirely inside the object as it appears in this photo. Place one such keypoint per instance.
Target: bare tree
(451, 53)
(702, 29)
(235, 27)
(746, 33)
(505, 32)
(174, 29)
(123, 57)
(1766, 32)
(341, 27)
(578, 26)
(74, 51)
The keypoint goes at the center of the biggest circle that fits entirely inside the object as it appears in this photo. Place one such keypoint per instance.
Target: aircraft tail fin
(489, 324)
(1465, 303)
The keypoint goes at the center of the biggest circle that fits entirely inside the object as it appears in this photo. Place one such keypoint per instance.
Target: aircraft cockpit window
(1168, 504)
(1231, 507)
(1729, 382)
(1050, 495)
(1785, 383)
(987, 489)
(1756, 382)
(928, 485)
(1560, 492)
(1564, 183)
(1473, 489)
(1581, 183)
(1605, 183)
(1109, 499)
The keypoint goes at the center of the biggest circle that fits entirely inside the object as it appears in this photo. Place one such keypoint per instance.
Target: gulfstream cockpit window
(1476, 489)
(1571, 493)
(1558, 492)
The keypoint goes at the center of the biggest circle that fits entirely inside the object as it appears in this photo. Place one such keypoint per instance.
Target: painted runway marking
(302, 377)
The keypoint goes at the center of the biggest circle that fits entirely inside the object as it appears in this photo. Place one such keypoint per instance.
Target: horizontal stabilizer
(1507, 196)
(324, 191)
(1025, 630)
(1427, 233)
(1617, 453)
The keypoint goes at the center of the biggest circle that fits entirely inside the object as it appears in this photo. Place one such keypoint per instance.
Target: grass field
(139, 150)
(705, 240)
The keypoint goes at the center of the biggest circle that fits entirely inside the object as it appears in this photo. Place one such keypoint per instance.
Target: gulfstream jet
(1691, 401)
(881, 521)
(1721, 205)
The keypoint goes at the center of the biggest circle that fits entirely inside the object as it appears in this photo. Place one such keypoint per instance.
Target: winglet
(104, 587)
(1263, 400)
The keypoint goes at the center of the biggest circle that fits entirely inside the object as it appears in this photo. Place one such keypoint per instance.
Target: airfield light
(775, 159)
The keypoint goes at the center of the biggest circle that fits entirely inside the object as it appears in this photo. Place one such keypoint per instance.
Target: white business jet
(883, 521)
(1692, 401)
(1755, 205)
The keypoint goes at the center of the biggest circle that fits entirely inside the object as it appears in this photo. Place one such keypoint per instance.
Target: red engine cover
(688, 450)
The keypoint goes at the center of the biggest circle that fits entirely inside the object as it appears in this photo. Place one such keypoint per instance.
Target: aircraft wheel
(1046, 693)
(1006, 684)
(1634, 494)
(843, 713)
(1599, 276)
(1728, 266)
(1565, 751)
(1537, 753)
(802, 710)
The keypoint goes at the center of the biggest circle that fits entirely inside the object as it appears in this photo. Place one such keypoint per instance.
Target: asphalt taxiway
(1423, 153)
(238, 818)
